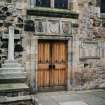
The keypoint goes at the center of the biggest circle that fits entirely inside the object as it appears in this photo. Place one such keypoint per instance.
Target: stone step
(7, 61)
(18, 80)
(11, 65)
(11, 70)
(13, 90)
(13, 86)
(15, 99)
(13, 75)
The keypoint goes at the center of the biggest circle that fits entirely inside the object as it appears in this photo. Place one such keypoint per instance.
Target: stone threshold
(86, 91)
(15, 99)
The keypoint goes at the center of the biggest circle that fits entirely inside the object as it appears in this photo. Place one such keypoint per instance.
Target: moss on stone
(39, 11)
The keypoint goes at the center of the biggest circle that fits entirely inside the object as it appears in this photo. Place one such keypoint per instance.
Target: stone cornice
(52, 12)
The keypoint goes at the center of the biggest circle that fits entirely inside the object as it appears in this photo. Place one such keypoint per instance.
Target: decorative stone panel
(89, 49)
(54, 26)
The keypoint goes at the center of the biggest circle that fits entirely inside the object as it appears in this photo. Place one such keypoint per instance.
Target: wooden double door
(52, 65)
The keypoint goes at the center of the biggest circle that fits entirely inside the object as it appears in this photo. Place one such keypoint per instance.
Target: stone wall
(17, 10)
(90, 71)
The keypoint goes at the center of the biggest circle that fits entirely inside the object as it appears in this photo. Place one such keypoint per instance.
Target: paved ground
(91, 97)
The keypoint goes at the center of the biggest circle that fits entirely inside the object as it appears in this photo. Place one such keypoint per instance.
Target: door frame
(69, 61)
(55, 87)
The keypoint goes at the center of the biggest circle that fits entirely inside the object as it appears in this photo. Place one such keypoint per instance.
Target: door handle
(53, 66)
(50, 66)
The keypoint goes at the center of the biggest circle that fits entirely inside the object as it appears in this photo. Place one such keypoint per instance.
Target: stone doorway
(52, 65)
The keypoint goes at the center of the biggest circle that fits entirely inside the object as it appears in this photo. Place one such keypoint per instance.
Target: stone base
(11, 63)
(20, 100)
(12, 81)
(12, 72)
(10, 93)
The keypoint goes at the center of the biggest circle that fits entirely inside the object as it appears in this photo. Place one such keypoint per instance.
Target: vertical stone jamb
(75, 55)
(36, 62)
(69, 72)
(31, 60)
(33, 55)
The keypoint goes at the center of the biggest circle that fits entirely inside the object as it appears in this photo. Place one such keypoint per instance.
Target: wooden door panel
(58, 77)
(60, 66)
(43, 53)
(58, 53)
(51, 64)
(43, 76)
(43, 66)
(59, 63)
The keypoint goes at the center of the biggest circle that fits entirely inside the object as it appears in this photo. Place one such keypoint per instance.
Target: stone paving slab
(73, 103)
(92, 97)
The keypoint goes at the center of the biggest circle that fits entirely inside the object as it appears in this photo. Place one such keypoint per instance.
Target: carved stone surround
(53, 26)
(89, 50)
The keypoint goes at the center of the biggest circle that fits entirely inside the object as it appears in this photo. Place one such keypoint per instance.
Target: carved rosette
(53, 27)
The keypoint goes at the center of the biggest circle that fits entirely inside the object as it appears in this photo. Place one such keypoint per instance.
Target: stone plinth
(12, 80)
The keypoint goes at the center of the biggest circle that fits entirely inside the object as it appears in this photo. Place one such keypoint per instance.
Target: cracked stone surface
(90, 97)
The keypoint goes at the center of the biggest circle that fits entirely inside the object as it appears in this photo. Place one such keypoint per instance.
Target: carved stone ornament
(39, 26)
(53, 27)
(66, 27)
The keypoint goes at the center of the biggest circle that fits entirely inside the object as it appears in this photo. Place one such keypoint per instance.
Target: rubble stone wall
(90, 71)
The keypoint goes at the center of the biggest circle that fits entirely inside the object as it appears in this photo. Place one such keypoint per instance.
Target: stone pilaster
(31, 60)
(34, 56)
(69, 73)
(75, 55)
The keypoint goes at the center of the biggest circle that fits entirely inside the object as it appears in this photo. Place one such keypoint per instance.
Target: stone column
(32, 3)
(11, 44)
(52, 3)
